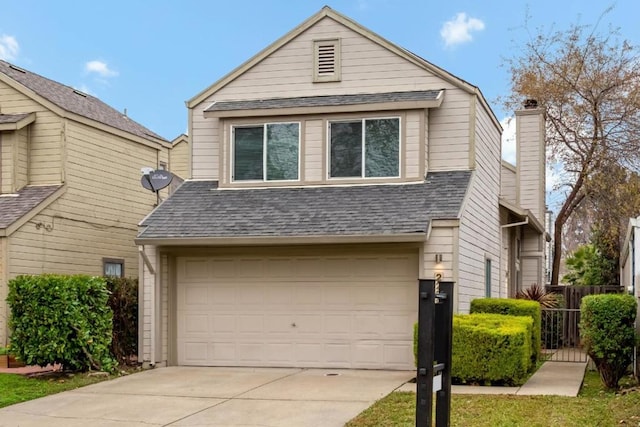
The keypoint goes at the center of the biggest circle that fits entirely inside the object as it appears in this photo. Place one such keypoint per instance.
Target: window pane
(382, 146)
(247, 156)
(113, 269)
(346, 149)
(282, 151)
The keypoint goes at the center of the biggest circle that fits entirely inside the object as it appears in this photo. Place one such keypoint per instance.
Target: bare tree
(588, 84)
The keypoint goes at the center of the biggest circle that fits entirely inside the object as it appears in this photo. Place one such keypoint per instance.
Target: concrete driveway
(181, 396)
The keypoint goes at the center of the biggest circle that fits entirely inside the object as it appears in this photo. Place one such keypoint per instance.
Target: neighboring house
(70, 193)
(630, 272)
(328, 174)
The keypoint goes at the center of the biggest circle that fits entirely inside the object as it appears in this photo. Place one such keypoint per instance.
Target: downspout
(152, 298)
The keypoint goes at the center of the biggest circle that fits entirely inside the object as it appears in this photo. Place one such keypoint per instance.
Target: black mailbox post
(435, 324)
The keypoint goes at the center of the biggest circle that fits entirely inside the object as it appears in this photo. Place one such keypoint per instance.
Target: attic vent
(326, 67)
(82, 94)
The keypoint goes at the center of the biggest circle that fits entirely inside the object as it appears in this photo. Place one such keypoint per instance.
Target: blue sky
(151, 56)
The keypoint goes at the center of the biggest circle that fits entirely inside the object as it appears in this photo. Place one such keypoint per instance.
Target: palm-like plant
(538, 293)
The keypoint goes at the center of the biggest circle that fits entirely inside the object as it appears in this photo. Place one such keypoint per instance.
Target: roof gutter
(420, 236)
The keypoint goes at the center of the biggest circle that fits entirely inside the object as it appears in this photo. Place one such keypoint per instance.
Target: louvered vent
(326, 60)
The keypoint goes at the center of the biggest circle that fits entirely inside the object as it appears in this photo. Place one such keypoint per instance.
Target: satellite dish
(156, 180)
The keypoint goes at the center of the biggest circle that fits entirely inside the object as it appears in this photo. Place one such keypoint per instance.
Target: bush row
(515, 307)
(70, 320)
(491, 348)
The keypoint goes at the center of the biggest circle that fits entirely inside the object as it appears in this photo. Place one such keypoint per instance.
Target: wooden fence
(573, 294)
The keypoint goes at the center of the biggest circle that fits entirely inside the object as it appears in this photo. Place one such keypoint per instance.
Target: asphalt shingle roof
(74, 101)
(324, 101)
(12, 118)
(198, 209)
(14, 207)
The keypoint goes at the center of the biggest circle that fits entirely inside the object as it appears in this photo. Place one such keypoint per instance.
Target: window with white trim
(268, 152)
(367, 148)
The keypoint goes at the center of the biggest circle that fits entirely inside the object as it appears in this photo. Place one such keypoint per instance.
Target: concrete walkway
(551, 379)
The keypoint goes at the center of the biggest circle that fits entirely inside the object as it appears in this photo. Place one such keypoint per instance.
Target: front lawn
(593, 407)
(18, 388)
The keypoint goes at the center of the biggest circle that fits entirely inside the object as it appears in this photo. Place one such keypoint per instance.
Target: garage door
(354, 310)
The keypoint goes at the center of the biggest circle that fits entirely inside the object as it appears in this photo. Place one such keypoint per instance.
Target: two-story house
(70, 193)
(328, 174)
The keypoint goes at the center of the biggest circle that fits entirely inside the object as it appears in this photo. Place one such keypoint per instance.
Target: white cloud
(100, 68)
(509, 139)
(458, 30)
(9, 47)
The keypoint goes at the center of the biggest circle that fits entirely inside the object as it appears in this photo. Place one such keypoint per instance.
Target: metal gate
(561, 335)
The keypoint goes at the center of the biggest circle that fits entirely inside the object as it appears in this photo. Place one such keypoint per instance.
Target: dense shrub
(123, 300)
(61, 319)
(608, 335)
(491, 348)
(488, 348)
(514, 307)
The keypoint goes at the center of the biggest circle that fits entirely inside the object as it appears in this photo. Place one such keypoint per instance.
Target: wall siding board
(480, 222)
(179, 160)
(508, 184)
(4, 290)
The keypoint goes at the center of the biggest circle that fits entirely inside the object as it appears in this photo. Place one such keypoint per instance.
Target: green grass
(593, 407)
(18, 388)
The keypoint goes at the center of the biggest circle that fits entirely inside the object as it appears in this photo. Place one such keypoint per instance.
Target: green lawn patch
(19, 388)
(593, 407)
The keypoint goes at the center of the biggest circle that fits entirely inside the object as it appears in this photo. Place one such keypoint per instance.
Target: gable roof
(14, 207)
(74, 101)
(327, 12)
(200, 212)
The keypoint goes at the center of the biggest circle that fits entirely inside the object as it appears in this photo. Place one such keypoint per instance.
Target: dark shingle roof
(74, 101)
(14, 207)
(325, 101)
(12, 118)
(198, 209)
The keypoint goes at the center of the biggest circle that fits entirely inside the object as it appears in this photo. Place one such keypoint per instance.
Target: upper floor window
(368, 148)
(268, 152)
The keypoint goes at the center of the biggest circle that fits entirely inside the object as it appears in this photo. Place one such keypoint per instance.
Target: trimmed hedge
(491, 348)
(515, 307)
(123, 300)
(61, 319)
(608, 335)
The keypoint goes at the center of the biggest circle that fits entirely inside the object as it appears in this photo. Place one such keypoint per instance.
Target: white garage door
(342, 311)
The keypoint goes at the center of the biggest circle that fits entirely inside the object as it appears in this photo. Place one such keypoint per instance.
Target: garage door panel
(308, 311)
(223, 323)
(223, 268)
(224, 352)
(250, 268)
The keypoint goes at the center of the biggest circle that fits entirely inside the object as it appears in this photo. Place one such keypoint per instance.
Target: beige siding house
(70, 194)
(328, 174)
